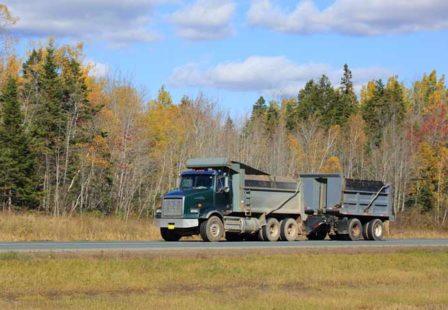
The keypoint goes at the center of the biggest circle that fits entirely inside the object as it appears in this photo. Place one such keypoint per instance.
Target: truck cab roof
(201, 172)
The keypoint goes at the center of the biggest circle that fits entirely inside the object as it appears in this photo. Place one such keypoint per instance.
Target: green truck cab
(202, 194)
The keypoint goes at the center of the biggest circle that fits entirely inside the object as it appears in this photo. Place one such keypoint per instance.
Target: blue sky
(235, 51)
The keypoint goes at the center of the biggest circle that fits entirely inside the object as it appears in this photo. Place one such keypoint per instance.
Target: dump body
(343, 208)
(265, 194)
(332, 193)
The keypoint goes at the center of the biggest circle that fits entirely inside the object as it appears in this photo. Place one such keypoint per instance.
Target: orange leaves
(434, 129)
(332, 165)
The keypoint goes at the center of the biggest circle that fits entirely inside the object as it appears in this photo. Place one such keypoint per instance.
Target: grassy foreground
(32, 227)
(401, 280)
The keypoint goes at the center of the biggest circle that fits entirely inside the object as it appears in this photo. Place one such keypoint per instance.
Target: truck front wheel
(169, 235)
(212, 229)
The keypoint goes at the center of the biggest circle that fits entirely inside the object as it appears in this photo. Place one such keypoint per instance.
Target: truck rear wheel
(289, 230)
(365, 231)
(376, 230)
(271, 231)
(169, 235)
(354, 229)
(212, 229)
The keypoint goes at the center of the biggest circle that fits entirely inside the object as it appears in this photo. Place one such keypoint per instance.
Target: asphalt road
(199, 245)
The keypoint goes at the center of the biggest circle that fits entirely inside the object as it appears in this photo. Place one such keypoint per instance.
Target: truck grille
(172, 207)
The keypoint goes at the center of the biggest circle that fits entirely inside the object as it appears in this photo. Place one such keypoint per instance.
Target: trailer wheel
(212, 229)
(234, 236)
(376, 230)
(289, 230)
(354, 229)
(271, 231)
(365, 231)
(169, 235)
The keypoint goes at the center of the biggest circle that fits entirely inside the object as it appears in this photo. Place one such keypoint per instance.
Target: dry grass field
(33, 227)
(408, 279)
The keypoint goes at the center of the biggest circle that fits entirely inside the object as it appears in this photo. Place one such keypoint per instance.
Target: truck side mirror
(226, 184)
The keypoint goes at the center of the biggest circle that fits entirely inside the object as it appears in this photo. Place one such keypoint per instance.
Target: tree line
(71, 143)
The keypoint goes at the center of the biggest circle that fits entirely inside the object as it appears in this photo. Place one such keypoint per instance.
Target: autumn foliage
(101, 145)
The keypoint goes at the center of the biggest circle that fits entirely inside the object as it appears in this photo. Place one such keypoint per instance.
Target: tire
(289, 229)
(318, 234)
(376, 230)
(234, 237)
(260, 236)
(169, 235)
(365, 231)
(212, 229)
(271, 231)
(354, 229)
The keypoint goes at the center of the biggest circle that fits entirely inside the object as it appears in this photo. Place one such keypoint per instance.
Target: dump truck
(218, 198)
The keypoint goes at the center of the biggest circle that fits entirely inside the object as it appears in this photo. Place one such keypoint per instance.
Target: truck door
(222, 198)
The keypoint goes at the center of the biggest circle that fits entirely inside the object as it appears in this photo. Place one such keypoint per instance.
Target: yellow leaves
(295, 147)
(367, 91)
(354, 133)
(332, 165)
(6, 18)
(165, 126)
(430, 91)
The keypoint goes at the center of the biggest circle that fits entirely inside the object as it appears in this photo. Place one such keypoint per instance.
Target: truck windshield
(197, 181)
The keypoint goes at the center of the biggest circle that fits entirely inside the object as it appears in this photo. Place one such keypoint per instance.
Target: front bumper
(178, 223)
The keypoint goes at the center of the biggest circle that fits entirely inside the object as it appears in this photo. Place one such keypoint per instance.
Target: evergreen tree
(386, 106)
(272, 116)
(63, 120)
(18, 179)
(259, 108)
(346, 81)
(373, 113)
(317, 100)
(347, 101)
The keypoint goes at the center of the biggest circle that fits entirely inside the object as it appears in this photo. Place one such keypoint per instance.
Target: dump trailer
(345, 209)
(219, 198)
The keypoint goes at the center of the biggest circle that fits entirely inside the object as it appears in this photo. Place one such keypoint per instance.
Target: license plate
(170, 226)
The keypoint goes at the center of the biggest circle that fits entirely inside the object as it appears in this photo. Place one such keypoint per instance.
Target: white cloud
(116, 21)
(275, 76)
(97, 69)
(355, 17)
(204, 20)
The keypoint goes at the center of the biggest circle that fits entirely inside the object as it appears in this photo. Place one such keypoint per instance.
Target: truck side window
(220, 184)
